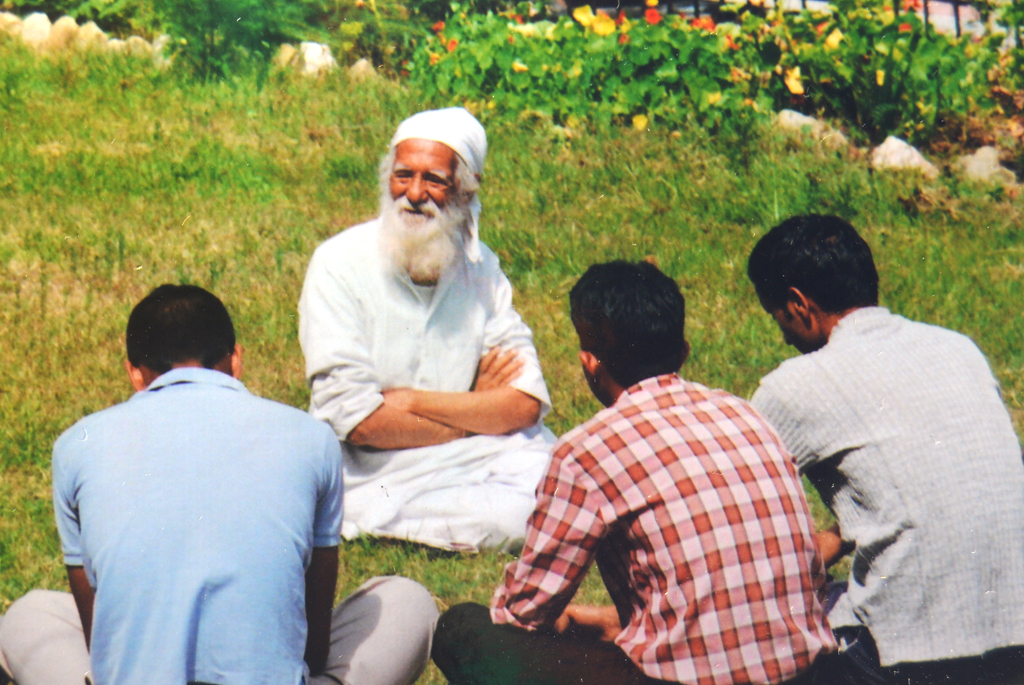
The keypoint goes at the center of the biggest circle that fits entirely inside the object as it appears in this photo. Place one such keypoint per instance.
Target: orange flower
(433, 58)
(511, 39)
(623, 39)
(518, 18)
(905, 28)
(621, 18)
(438, 27)
(706, 23)
(452, 44)
(820, 28)
(909, 5)
(652, 16)
(729, 43)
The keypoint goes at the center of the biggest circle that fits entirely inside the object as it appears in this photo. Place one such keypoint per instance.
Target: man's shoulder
(350, 246)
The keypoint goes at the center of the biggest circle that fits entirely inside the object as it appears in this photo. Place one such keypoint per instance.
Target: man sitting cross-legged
(900, 427)
(417, 358)
(689, 504)
(200, 530)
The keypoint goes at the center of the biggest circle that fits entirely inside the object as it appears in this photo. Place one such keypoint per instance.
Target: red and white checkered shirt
(697, 519)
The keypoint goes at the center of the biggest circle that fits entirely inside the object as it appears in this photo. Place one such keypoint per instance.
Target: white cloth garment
(900, 427)
(365, 327)
(459, 130)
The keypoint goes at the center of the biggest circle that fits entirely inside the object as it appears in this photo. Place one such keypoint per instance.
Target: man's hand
(832, 546)
(598, 623)
(497, 369)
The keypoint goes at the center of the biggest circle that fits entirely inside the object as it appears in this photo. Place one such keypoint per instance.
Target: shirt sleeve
(65, 500)
(798, 415)
(329, 509)
(562, 538)
(506, 329)
(344, 385)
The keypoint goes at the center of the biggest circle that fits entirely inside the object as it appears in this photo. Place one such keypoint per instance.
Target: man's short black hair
(176, 324)
(821, 256)
(636, 315)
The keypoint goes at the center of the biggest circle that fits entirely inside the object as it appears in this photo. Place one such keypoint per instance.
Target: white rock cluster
(896, 153)
(791, 120)
(37, 32)
(309, 58)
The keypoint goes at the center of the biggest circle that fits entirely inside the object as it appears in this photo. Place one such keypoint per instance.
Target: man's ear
(590, 362)
(236, 362)
(137, 376)
(800, 306)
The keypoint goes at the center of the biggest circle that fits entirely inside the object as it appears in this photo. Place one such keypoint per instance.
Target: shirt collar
(652, 385)
(860, 320)
(194, 374)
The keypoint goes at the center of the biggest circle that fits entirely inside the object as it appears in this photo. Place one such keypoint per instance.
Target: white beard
(423, 244)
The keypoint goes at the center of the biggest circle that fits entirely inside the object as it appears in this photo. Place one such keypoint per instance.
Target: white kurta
(365, 327)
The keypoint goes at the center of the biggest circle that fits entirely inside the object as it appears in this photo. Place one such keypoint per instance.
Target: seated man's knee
(406, 597)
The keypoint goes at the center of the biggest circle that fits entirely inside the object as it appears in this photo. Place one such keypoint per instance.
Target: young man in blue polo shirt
(200, 529)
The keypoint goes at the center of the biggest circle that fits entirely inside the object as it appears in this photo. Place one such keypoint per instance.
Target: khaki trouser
(380, 635)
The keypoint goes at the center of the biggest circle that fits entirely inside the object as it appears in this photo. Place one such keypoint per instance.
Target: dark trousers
(470, 650)
(858, 664)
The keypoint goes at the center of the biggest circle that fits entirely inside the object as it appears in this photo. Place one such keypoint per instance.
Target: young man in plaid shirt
(689, 504)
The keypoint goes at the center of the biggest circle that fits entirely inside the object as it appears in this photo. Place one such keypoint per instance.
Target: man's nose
(417, 190)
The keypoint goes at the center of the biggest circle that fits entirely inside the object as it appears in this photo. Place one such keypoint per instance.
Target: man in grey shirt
(901, 428)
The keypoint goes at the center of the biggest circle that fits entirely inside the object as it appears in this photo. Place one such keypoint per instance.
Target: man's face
(423, 170)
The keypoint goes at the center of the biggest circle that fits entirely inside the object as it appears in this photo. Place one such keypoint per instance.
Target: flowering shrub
(878, 70)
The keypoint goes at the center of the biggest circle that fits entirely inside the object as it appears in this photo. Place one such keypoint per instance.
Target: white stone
(138, 47)
(791, 120)
(10, 24)
(316, 57)
(35, 29)
(286, 55)
(90, 36)
(983, 166)
(62, 34)
(161, 51)
(898, 154)
(362, 70)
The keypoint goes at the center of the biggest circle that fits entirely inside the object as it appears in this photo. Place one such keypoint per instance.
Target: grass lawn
(115, 178)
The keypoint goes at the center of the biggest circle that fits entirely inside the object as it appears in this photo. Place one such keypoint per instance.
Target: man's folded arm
(321, 580)
(391, 428)
(487, 412)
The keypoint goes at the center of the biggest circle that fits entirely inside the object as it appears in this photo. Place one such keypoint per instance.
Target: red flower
(452, 44)
(706, 23)
(438, 27)
(652, 16)
(511, 39)
(518, 18)
(905, 28)
(820, 28)
(623, 38)
(909, 5)
(621, 18)
(729, 43)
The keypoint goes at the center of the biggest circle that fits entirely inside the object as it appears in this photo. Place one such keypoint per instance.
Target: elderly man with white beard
(417, 359)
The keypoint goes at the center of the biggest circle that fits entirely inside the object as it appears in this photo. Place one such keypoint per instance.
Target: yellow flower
(640, 122)
(832, 42)
(602, 24)
(433, 58)
(714, 97)
(793, 82)
(527, 30)
(880, 77)
(519, 67)
(584, 15)
(651, 3)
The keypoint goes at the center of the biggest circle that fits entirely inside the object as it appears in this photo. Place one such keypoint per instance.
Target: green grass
(115, 178)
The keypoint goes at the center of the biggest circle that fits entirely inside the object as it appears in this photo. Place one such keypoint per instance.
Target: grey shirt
(901, 428)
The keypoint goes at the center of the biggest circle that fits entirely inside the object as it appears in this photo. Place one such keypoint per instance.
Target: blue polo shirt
(194, 508)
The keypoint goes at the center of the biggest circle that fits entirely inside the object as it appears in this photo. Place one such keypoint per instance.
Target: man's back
(901, 428)
(705, 539)
(194, 508)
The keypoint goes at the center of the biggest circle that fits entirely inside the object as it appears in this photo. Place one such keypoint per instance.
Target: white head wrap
(459, 130)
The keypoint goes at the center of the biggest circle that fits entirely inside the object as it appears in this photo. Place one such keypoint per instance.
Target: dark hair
(821, 256)
(636, 314)
(176, 324)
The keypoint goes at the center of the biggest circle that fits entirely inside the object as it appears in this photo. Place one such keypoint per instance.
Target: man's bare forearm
(321, 580)
(487, 412)
(391, 429)
(84, 596)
